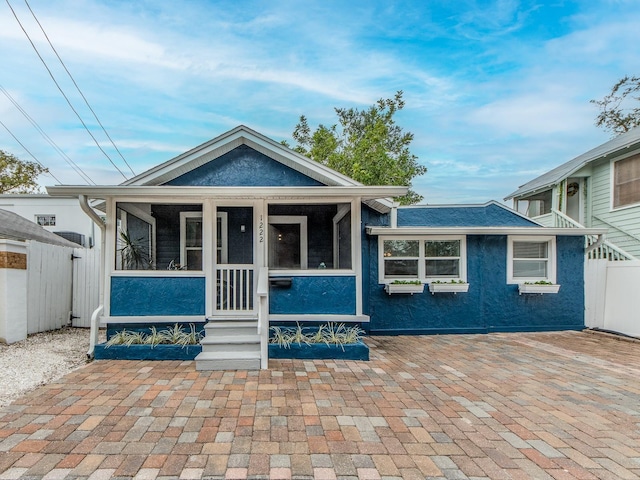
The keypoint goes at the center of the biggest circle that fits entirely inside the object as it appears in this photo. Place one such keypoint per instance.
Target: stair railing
(595, 250)
(263, 315)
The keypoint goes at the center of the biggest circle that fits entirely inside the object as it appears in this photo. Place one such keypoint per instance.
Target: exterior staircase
(595, 250)
(230, 343)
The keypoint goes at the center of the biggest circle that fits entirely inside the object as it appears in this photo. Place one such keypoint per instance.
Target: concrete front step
(230, 343)
(228, 361)
(231, 328)
(232, 318)
(235, 340)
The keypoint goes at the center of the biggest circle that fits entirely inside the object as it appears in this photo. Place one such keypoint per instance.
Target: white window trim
(304, 246)
(422, 258)
(612, 185)
(552, 259)
(183, 236)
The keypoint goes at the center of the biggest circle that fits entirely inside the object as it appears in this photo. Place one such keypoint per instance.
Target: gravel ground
(41, 358)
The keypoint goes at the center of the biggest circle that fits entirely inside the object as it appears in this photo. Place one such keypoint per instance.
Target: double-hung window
(531, 259)
(626, 182)
(401, 259)
(423, 258)
(442, 259)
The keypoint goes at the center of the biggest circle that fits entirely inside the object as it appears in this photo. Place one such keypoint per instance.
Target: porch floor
(498, 406)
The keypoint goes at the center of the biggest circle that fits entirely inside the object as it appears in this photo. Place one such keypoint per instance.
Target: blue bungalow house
(241, 232)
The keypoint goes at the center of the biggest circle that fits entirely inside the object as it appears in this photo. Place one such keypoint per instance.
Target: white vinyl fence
(86, 284)
(612, 296)
(49, 286)
(62, 286)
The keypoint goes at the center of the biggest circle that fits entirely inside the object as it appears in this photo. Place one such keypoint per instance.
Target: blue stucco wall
(490, 215)
(244, 167)
(315, 295)
(145, 296)
(490, 304)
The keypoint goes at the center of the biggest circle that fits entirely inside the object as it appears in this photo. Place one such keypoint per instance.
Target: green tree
(18, 176)
(619, 110)
(367, 146)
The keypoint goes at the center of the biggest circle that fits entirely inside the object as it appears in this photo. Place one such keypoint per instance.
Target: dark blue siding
(244, 167)
(145, 296)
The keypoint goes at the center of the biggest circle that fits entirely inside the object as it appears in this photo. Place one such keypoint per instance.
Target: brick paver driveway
(543, 405)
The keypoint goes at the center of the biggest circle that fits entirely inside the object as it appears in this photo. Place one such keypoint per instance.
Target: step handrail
(595, 246)
(262, 291)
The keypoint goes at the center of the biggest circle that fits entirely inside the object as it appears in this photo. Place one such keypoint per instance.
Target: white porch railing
(263, 316)
(595, 251)
(234, 288)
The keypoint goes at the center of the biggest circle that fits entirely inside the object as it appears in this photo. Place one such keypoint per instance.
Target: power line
(27, 150)
(62, 92)
(71, 163)
(78, 88)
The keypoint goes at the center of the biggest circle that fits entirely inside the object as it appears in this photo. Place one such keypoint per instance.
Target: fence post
(13, 291)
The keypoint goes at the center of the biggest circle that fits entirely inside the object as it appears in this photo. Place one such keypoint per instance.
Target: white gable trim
(226, 142)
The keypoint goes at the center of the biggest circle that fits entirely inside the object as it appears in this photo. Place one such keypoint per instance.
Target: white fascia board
(162, 191)
(226, 142)
(409, 231)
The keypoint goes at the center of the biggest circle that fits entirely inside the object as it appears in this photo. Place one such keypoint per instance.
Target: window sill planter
(448, 288)
(410, 288)
(537, 288)
(320, 351)
(146, 352)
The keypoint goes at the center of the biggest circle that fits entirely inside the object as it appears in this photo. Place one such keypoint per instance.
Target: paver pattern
(500, 406)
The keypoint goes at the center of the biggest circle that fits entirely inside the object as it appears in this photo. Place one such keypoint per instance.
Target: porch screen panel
(134, 249)
(285, 244)
(344, 242)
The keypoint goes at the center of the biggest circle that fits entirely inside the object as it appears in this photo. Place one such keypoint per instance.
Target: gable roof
(627, 141)
(241, 135)
(155, 182)
(15, 227)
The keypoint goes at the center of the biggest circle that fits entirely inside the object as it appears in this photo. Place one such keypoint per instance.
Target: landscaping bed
(322, 342)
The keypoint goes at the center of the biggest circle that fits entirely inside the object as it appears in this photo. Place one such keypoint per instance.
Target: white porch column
(13, 291)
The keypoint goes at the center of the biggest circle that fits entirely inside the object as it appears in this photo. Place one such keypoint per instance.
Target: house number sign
(261, 230)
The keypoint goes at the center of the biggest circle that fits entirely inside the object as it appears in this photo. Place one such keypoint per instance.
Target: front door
(575, 205)
(234, 261)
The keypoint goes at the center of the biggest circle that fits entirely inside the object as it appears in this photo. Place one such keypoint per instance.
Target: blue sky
(497, 92)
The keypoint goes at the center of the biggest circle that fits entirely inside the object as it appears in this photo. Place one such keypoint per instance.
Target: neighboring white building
(60, 215)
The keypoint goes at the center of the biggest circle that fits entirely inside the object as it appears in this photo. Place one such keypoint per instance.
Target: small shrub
(174, 335)
(329, 334)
